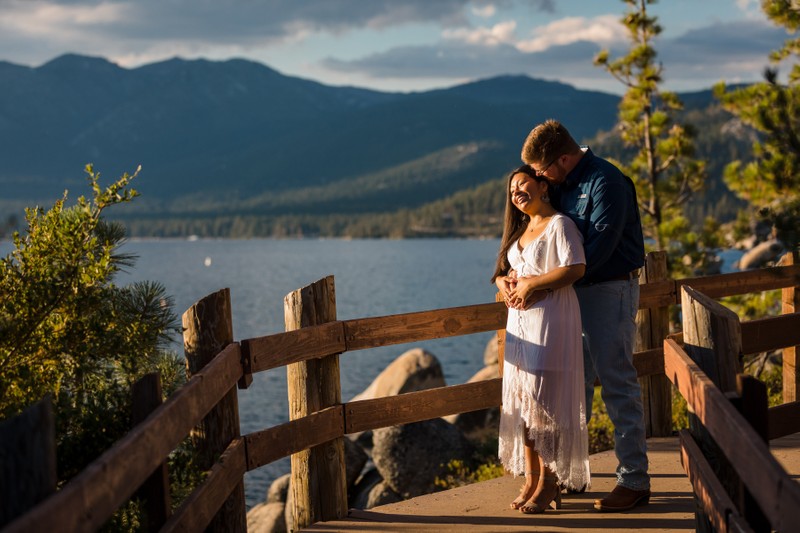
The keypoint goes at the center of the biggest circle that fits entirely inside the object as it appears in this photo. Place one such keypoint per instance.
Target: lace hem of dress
(563, 447)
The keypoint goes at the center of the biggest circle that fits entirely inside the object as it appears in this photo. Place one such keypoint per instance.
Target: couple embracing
(568, 270)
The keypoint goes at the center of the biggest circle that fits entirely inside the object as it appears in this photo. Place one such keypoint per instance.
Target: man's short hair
(546, 142)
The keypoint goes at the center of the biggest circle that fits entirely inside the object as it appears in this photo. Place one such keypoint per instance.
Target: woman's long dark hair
(515, 222)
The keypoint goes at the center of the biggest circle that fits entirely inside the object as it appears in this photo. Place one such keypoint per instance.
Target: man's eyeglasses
(542, 171)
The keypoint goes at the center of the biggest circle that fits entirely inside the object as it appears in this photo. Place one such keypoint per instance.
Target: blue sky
(397, 45)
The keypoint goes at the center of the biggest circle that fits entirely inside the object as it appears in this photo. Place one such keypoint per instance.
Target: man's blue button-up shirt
(601, 200)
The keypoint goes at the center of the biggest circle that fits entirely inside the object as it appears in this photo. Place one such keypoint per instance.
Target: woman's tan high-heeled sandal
(521, 499)
(554, 501)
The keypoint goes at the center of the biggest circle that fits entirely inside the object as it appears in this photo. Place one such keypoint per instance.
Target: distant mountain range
(236, 137)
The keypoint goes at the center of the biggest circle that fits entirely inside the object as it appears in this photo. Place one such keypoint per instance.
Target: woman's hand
(525, 294)
(505, 284)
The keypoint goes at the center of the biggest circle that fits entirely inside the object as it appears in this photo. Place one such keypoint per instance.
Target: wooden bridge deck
(483, 507)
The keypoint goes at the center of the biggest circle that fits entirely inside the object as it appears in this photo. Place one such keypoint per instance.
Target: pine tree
(662, 164)
(771, 181)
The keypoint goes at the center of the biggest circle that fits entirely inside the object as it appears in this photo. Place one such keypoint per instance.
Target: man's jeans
(608, 313)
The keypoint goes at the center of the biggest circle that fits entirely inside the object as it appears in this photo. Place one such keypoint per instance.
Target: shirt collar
(576, 173)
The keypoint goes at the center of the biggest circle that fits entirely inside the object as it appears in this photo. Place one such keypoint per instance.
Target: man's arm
(606, 222)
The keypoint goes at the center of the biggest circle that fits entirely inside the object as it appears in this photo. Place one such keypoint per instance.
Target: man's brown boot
(622, 499)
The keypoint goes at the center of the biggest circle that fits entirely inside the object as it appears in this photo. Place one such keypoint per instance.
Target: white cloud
(500, 33)
(486, 11)
(34, 19)
(603, 30)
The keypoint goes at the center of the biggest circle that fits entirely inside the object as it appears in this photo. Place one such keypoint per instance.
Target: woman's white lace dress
(543, 387)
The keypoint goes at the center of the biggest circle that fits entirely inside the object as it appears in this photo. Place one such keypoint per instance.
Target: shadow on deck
(484, 506)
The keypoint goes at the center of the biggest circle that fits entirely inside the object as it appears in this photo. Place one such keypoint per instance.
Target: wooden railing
(88, 500)
(739, 485)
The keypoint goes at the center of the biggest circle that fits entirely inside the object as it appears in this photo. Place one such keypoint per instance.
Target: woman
(543, 422)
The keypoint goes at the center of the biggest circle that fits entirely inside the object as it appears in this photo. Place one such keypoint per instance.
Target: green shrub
(67, 330)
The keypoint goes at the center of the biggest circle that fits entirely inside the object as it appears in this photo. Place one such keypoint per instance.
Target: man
(602, 202)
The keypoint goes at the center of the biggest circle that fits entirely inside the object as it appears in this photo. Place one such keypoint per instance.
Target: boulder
(478, 425)
(278, 489)
(266, 518)
(411, 456)
(414, 370)
(363, 439)
(359, 497)
(759, 255)
(288, 517)
(354, 459)
(490, 353)
(382, 494)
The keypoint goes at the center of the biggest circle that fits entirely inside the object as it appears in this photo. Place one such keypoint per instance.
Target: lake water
(372, 278)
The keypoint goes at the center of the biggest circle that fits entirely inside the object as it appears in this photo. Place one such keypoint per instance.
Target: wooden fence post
(652, 327)
(155, 491)
(752, 402)
(712, 337)
(208, 328)
(790, 298)
(318, 482)
(27, 460)
(501, 341)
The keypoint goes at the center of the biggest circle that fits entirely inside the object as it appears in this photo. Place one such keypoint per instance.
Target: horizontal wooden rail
(783, 420)
(91, 497)
(667, 292)
(657, 294)
(649, 362)
(283, 440)
(776, 493)
(766, 334)
(362, 415)
(411, 327)
(712, 495)
(733, 283)
(281, 349)
(271, 444)
(197, 511)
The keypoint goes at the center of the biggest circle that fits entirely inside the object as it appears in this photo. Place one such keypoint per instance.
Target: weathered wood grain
(413, 327)
(91, 497)
(147, 396)
(27, 459)
(790, 303)
(318, 484)
(716, 505)
(763, 279)
(774, 490)
(207, 329)
(652, 326)
(773, 333)
(199, 509)
(362, 415)
(784, 420)
(280, 441)
(281, 349)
